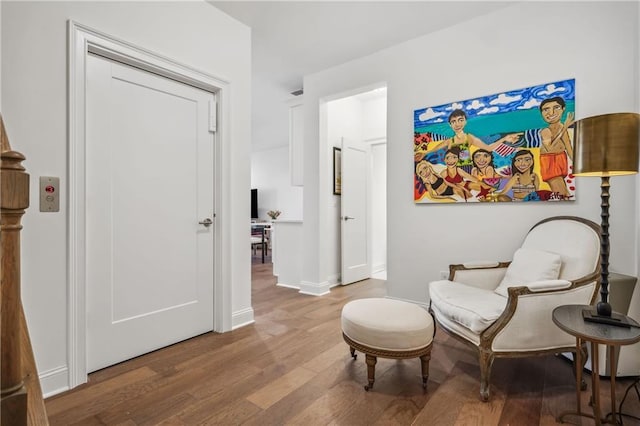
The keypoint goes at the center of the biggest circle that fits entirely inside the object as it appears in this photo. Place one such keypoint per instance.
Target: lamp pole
(603, 307)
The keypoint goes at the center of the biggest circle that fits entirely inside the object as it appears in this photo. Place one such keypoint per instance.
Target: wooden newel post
(14, 199)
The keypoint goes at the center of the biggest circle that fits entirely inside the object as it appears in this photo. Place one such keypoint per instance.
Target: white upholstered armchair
(504, 308)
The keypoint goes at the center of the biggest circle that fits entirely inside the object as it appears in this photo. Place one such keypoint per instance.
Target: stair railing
(14, 199)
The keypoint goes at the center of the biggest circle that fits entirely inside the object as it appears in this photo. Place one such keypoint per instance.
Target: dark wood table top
(569, 318)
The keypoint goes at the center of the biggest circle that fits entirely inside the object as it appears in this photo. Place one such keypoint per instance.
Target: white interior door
(356, 263)
(149, 182)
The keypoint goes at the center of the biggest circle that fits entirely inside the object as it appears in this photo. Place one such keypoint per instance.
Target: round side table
(570, 319)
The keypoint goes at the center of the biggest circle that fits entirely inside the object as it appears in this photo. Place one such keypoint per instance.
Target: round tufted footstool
(388, 328)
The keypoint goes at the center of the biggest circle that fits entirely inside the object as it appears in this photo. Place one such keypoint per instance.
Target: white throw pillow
(530, 265)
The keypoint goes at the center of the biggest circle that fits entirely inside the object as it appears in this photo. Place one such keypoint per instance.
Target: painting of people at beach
(514, 146)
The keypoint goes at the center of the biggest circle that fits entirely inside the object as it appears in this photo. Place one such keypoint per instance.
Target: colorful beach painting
(514, 146)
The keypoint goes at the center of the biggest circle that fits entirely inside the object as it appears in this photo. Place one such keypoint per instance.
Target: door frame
(371, 144)
(326, 215)
(84, 40)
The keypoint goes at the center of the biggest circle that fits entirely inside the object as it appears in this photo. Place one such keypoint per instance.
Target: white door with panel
(356, 263)
(149, 203)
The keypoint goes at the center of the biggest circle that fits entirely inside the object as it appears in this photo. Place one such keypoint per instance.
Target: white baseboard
(334, 280)
(242, 318)
(295, 287)
(379, 268)
(54, 381)
(314, 289)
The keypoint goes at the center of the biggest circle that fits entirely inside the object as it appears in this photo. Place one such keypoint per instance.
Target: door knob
(207, 222)
(348, 217)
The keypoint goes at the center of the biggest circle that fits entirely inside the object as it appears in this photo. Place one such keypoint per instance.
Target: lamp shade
(607, 145)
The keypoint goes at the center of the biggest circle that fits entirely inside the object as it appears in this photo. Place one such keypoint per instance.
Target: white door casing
(354, 220)
(82, 40)
(149, 180)
(378, 205)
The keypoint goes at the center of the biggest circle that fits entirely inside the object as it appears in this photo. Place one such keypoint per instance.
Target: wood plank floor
(292, 367)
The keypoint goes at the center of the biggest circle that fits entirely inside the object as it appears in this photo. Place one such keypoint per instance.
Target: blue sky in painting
(511, 101)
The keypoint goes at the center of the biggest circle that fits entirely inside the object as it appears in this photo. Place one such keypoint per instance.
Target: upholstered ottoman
(388, 328)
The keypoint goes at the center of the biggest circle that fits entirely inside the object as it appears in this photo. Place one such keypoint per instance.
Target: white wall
(512, 48)
(374, 118)
(270, 175)
(34, 102)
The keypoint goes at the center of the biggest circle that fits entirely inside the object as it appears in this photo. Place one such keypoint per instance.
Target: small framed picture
(337, 171)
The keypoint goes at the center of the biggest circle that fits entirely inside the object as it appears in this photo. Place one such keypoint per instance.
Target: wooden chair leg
(486, 361)
(424, 361)
(371, 371)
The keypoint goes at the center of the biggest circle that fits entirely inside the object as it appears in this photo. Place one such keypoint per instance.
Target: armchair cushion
(530, 265)
(472, 307)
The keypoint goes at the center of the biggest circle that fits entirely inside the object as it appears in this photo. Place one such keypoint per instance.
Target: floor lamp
(606, 145)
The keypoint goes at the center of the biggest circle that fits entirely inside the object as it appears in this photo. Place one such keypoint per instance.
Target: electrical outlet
(444, 275)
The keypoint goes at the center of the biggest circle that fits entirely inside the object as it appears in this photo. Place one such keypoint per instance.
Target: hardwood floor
(292, 367)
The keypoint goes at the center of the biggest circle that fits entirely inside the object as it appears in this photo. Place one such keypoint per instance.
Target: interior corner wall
(476, 58)
(270, 174)
(34, 101)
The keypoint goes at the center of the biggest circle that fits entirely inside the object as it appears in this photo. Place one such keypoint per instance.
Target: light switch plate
(49, 194)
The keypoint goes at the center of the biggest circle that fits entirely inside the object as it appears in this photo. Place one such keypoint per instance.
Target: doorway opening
(356, 125)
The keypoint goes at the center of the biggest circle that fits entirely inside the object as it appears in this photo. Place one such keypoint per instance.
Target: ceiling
(291, 39)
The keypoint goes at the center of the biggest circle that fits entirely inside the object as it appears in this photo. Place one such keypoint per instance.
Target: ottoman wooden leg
(366, 330)
(371, 370)
(424, 360)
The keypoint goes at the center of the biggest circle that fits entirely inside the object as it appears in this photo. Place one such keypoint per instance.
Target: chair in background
(259, 239)
(256, 242)
(504, 309)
